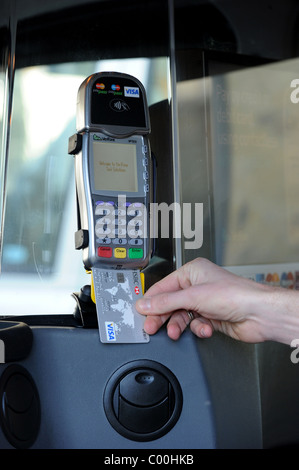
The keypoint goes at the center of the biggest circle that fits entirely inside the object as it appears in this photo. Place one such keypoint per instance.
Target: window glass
(2, 131)
(237, 103)
(238, 135)
(255, 164)
(55, 52)
(4, 112)
(40, 266)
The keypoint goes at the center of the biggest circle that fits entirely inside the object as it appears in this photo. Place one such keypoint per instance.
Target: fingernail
(144, 304)
(202, 332)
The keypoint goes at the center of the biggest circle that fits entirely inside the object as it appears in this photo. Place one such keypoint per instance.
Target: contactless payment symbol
(119, 105)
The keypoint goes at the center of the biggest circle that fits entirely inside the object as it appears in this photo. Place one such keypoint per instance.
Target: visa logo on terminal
(131, 91)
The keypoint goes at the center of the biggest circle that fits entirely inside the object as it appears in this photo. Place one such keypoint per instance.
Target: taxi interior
(224, 132)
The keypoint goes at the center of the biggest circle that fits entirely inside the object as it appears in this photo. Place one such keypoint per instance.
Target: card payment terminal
(113, 171)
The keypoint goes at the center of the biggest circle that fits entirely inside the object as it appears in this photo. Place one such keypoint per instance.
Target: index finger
(172, 282)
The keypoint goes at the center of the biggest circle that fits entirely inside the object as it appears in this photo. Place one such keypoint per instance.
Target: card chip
(120, 278)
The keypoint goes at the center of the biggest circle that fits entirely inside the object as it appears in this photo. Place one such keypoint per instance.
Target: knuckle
(163, 301)
(159, 303)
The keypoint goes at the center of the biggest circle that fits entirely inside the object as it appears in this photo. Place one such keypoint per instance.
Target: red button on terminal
(105, 251)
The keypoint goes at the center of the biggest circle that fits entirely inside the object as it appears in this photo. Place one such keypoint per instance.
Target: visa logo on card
(110, 331)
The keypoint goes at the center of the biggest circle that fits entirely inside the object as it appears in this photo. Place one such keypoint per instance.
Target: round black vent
(20, 407)
(143, 400)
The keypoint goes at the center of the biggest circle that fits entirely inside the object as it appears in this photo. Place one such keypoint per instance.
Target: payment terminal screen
(115, 167)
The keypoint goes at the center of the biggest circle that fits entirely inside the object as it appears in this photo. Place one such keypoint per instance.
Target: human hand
(218, 299)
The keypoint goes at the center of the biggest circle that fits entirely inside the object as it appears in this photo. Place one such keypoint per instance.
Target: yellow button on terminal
(120, 252)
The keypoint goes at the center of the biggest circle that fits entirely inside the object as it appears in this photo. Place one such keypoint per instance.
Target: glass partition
(239, 145)
(255, 164)
(237, 104)
(40, 266)
(6, 88)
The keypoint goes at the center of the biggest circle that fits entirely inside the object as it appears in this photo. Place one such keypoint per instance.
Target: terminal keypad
(119, 230)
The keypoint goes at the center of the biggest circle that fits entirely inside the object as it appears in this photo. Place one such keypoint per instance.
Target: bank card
(116, 292)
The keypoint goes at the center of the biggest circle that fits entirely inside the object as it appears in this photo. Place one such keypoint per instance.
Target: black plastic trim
(17, 338)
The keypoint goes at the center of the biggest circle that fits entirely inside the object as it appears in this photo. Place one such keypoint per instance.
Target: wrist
(278, 314)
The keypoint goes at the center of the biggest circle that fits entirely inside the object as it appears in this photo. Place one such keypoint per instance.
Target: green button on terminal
(135, 253)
